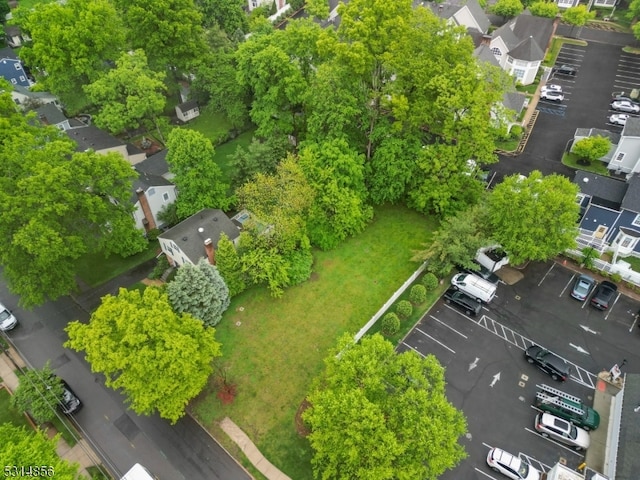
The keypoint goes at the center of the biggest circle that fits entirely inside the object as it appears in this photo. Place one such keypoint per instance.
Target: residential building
(14, 36)
(197, 237)
(50, 114)
(582, 133)
(90, 137)
(188, 110)
(11, 68)
(26, 99)
(626, 156)
(151, 193)
(156, 164)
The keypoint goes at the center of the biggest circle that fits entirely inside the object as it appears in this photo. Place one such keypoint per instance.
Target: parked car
(466, 303)
(566, 70)
(511, 466)
(582, 288)
(481, 271)
(603, 296)
(551, 88)
(562, 431)
(566, 406)
(8, 320)
(548, 362)
(623, 96)
(552, 96)
(619, 119)
(474, 286)
(625, 106)
(69, 403)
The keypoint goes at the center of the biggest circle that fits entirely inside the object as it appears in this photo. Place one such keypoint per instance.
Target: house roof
(505, 32)
(145, 181)
(12, 30)
(91, 137)
(631, 127)
(605, 191)
(541, 29)
(28, 93)
(628, 461)
(514, 101)
(479, 15)
(484, 54)
(527, 50)
(133, 150)
(592, 132)
(156, 164)
(49, 114)
(186, 106)
(631, 200)
(190, 240)
(8, 52)
(449, 9)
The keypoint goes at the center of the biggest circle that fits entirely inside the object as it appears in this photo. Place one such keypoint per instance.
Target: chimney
(211, 253)
(486, 40)
(148, 222)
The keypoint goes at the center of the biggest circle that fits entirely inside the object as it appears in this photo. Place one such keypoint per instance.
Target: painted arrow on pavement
(578, 348)
(587, 329)
(496, 377)
(473, 364)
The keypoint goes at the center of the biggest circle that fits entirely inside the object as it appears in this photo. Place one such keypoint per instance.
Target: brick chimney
(148, 221)
(211, 253)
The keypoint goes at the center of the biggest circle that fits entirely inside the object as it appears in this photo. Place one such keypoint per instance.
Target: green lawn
(95, 269)
(8, 414)
(211, 124)
(273, 348)
(226, 150)
(571, 160)
(556, 45)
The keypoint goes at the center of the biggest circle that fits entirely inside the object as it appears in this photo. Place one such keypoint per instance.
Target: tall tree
(197, 175)
(229, 15)
(230, 266)
(72, 43)
(38, 393)
(36, 452)
(128, 94)
(380, 415)
(133, 334)
(58, 205)
(534, 217)
(201, 291)
(169, 31)
(507, 8)
(340, 209)
(544, 9)
(591, 149)
(261, 156)
(577, 16)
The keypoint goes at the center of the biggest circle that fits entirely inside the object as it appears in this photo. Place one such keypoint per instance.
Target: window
(151, 192)
(636, 221)
(580, 197)
(22, 79)
(518, 72)
(165, 196)
(600, 231)
(619, 157)
(17, 66)
(496, 51)
(14, 81)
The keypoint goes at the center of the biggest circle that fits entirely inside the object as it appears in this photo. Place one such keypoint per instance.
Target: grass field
(8, 414)
(225, 151)
(273, 348)
(211, 124)
(571, 160)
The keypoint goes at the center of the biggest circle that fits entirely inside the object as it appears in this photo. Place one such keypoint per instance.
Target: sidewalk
(80, 453)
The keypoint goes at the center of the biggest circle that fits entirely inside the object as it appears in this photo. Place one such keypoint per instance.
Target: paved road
(120, 437)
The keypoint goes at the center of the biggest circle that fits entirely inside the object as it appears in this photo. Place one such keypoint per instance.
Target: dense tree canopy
(507, 8)
(38, 393)
(22, 447)
(534, 217)
(127, 94)
(592, 148)
(160, 359)
(57, 205)
(380, 415)
(229, 15)
(544, 9)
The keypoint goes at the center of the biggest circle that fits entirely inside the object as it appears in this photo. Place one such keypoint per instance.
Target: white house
(626, 157)
(188, 110)
(90, 137)
(151, 193)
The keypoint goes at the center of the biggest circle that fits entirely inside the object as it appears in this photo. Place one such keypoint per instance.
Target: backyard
(273, 348)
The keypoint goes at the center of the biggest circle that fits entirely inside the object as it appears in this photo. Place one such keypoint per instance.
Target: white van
(474, 286)
(138, 472)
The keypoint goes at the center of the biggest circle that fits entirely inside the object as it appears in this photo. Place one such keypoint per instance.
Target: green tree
(133, 334)
(169, 31)
(72, 43)
(229, 15)
(59, 204)
(507, 8)
(39, 393)
(197, 176)
(544, 9)
(230, 266)
(4, 9)
(577, 16)
(380, 415)
(534, 218)
(336, 174)
(456, 241)
(200, 291)
(20, 447)
(593, 148)
(262, 156)
(128, 94)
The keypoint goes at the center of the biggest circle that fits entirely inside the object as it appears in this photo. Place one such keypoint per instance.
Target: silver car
(582, 288)
(552, 96)
(8, 320)
(562, 431)
(625, 106)
(511, 466)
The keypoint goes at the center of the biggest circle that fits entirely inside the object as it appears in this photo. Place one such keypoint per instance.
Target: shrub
(390, 324)
(153, 234)
(516, 131)
(616, 277)
(160, 267)
(404, 309)
(430, 281)
(418, 294)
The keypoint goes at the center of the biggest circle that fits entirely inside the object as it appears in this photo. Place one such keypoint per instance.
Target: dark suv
(566, 69)
(481, 271)
(603, 296)
(466, 303)
(548, 362)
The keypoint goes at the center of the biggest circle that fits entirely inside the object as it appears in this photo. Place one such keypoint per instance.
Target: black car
(603, 296)
(466, 303)
(548, 362)
(69, 403)
(622, 96)
(481, 271)
(566, 69)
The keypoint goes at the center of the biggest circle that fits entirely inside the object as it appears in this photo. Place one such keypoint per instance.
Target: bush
(390, 324)
(430, 282)
(616, 277)
(404, 309)
(153, 234)
(160, 267)
(516, 131)
(418, 294)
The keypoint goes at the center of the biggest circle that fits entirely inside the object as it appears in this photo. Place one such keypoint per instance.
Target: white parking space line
(450, 327)
(569, 449)
(548, 272)
(606, 317)
(483, 473)
(635, 320)
(438, 342)
(567, 285)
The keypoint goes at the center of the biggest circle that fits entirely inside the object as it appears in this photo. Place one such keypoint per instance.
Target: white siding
(157, 197)
(629, 163)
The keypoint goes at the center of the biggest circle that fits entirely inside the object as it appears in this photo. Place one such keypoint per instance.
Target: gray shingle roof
(478, 13)
(527, 50)
(483, 53)
(49, 114)
(605, 191)
(514, 101)
(631, 200)
(539, 28)
(8, 52)
(145, 181)
(628, 462)
(187, 237)
(631, 127)
(156, 164)
(186, 106)
(91, 137)
(508, 37)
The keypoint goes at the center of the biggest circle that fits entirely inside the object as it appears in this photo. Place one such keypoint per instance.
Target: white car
(552, 96)
(551, 88)
(625, 106)
(562, 431)
(7, 319)
(619, 119)
(511, 466)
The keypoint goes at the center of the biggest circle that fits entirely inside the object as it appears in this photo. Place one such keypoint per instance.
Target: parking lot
(488, 377)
